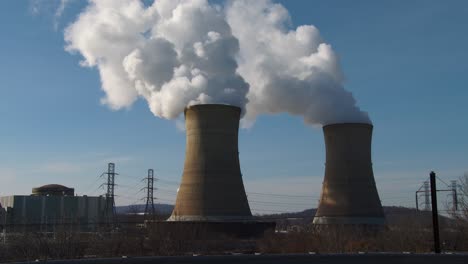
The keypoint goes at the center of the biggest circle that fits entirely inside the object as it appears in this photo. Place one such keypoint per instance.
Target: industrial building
(2, 217)
(349, 193)
(53, 206)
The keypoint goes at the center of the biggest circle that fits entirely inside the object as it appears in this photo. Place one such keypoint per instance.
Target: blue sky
(404, 61)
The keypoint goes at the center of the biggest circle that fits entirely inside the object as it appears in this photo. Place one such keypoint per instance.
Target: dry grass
(410, 236)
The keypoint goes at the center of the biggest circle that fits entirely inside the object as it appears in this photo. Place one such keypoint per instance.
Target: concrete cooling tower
(349, 194)
(211, 187)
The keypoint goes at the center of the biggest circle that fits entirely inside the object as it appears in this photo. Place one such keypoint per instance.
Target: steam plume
(176, 53)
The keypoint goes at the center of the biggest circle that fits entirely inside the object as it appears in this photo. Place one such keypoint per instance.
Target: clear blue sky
(406, 63)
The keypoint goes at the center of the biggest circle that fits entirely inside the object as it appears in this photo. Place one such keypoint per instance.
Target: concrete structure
(211, 187)
(51, 207)
(349, 194)
(53, 190)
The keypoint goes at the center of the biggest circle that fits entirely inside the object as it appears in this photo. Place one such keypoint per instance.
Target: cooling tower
(211, 187)
(349, 194)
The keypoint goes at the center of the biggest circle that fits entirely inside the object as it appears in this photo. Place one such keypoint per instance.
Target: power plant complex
(211, 192)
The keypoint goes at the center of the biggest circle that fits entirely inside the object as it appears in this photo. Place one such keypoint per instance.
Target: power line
(443, 181)
(283, 195)
(268, 210)
(169, 181)
(278, 203)
(164, 200)
(94, 182)
(94, 191)
(426, 192)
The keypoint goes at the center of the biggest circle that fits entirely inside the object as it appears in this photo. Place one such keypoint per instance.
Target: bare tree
(463, 201)
(460, 214)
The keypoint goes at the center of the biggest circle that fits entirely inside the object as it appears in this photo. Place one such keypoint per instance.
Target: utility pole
(149, 208)
(454, 196)
(435, 215)
(110, 201)
(417, 202)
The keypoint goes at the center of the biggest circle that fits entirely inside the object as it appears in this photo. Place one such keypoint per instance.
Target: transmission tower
(149, 208)
(427, 196)
(110, 198)
(425, 189)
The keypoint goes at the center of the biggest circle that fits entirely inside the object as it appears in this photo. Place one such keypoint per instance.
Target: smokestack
(349, 194)
(211, 187)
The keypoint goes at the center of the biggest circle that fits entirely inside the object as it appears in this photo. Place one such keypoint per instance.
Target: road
(370, 258)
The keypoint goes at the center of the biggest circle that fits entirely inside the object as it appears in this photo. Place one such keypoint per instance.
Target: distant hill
(162, 209)
(394, 215)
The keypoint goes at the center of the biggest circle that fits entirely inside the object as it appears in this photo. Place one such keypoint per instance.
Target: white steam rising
(176, 53)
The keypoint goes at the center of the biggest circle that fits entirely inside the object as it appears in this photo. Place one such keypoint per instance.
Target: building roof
(52, 186)
(52, 189)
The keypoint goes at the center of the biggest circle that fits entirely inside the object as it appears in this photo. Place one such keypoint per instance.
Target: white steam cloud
(176, 53)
